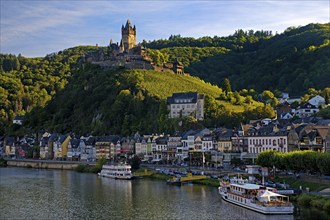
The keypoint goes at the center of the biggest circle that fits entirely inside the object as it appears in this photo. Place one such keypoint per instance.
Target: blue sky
(37, 28)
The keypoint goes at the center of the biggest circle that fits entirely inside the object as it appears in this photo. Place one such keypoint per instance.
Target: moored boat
(116, 171)
(255, 197)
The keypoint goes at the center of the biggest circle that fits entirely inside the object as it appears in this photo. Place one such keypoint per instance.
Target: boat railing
(274, 203)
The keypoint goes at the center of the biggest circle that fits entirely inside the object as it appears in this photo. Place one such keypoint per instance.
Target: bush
(326, 206)
(318, 203)
(3, 162)
(304, 200)
(80, 168)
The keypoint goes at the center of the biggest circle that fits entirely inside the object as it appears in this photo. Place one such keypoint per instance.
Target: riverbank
(3, 162)
(43, 164)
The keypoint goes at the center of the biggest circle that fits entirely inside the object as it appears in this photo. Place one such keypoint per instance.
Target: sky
(37, 28)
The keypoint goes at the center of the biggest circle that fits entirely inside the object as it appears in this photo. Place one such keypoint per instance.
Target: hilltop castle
(128, 40)
(128, 54)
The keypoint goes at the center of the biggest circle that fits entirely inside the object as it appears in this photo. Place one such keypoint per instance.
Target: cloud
(39, 26)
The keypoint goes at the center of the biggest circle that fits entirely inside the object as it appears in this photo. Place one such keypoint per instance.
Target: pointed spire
(128, 24)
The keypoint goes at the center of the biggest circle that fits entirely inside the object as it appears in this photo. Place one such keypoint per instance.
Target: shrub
(304, 200)
(326, 206)
(318, 203)
(81, 168)
(3, 162)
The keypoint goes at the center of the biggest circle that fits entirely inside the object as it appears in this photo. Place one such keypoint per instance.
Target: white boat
(255, 197)
(116, 171)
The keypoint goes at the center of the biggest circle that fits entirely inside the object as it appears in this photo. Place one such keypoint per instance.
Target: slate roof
(18, 118)
(161, 140)
(62, 138)
(74, 143)
(183, 96)
(307, 106)
(110, 138)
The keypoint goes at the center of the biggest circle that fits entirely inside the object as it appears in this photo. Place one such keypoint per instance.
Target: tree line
(296, 161)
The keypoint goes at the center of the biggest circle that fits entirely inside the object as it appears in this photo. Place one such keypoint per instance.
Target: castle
(128, 54)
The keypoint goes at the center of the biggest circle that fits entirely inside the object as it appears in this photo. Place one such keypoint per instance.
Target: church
(127, 54)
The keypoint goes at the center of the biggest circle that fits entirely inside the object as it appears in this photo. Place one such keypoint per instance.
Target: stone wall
(39, 164)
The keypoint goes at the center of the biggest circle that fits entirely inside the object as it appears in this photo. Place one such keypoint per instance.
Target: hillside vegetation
(101, 101)
(60, 93)
(293, 61)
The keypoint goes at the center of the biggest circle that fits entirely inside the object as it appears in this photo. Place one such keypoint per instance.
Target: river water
(56, 194)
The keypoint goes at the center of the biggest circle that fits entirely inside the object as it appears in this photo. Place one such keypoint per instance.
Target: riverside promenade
(45, 164)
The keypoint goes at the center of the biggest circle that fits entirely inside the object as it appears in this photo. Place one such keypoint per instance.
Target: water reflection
(52, 194)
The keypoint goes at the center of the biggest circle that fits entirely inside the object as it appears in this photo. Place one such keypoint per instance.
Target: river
(56, 194)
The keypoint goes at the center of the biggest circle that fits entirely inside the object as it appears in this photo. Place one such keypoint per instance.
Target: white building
(306, 110)
(317, 101)
(258, 144)
(18, 120)
(186, 104)
(207, 143)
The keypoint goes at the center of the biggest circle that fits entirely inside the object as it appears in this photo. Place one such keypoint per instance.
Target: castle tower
(128, 34)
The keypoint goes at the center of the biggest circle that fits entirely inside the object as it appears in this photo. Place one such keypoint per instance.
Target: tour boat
(116, 171)
(255, 197)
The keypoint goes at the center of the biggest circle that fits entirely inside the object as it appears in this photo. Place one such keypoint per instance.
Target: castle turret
(128, 36)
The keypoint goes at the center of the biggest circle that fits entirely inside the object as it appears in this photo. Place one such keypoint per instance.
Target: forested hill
(292, 62)
(61, 94)
(55, 92)
(98, 101)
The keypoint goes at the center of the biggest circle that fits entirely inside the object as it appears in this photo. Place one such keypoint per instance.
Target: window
(274, 142)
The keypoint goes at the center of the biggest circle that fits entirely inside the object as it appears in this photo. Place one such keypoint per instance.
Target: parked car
(282, 185)
(270, 183)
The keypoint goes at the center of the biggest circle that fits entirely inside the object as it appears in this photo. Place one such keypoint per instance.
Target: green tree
(226, 86)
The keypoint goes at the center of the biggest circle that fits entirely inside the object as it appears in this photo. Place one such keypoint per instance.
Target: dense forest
(98, 101)
(60, 93)
(292, 62)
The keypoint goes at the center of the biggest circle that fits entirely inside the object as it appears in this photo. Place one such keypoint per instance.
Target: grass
(209, 182)
(163, 84)
(296, 183)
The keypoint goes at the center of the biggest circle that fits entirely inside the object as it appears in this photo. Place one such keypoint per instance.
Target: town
(217, 147)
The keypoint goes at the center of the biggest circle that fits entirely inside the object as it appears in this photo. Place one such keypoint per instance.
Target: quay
(185, 179)
(44, 164)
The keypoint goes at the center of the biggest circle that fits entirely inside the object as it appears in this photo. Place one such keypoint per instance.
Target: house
(207, 143)
(9, 147)
(61, 147)
(1, 146)
(223, 138)
(106, 146)
(22, 150)
(312, 137)
(327, 142)
(87, 148)
(188, 143)
(306, 110)
(74, 150)
(317, 101)
(286, 115)
(174, 146)
(284, 98)
(186, 104)
(127, 148)
(18, 120)
(267, 137)
(283, 108)
(159, 148)
(43, 145)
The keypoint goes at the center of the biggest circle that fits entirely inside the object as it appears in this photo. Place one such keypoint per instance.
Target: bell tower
(128, 36)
